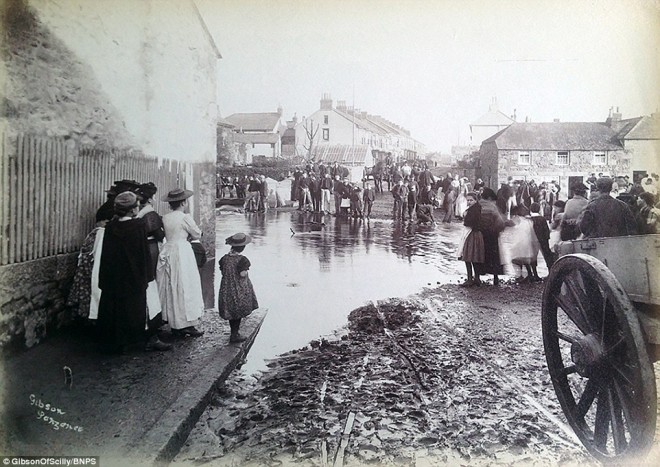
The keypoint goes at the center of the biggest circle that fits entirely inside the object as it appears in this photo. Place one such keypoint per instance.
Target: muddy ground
(450, 376)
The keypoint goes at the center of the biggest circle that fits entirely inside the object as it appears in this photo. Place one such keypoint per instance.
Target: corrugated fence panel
(50, 193)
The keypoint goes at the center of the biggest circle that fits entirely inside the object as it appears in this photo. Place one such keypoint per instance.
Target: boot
(154, 343)
(235, 337)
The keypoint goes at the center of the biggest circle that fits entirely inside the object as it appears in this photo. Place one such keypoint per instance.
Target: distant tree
(470, 161)
(310, 134)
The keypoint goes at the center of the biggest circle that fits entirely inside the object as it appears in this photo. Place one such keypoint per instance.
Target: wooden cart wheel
(597, 359)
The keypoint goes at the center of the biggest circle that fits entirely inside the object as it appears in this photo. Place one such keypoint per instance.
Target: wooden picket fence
(50, 193)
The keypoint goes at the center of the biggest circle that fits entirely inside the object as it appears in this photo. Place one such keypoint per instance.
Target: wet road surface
(310, 271)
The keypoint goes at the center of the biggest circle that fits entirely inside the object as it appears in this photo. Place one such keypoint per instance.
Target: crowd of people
(138, 272)
(505, 230)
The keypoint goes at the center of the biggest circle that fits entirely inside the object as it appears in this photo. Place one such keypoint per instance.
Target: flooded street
(423, 373)
(310, 275)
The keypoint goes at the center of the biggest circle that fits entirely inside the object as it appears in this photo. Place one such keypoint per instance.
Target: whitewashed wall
(154, 62)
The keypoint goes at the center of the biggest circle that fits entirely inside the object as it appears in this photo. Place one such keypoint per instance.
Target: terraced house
(341, 125)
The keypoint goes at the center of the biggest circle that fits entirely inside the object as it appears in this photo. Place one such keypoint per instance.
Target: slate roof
(556, 136)
(224, 122)
(492, 118)
(647, 127)
(255, 121)
(342, 153)
(622, 127)
(256, 138)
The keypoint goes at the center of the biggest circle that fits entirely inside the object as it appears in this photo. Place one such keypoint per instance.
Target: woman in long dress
(178, 279)
(471, 250)
(490, 226)
(461, 200)
(124, 263)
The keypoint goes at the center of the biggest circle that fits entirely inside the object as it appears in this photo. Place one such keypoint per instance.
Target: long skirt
(473, 248)
(179, 285)
(491, 264)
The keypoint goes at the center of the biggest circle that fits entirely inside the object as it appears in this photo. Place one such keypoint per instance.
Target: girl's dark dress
(490, 225)
(123, 276)
(236, 298)
(473, 248)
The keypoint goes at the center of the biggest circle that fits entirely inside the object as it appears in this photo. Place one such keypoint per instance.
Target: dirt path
(450, 376)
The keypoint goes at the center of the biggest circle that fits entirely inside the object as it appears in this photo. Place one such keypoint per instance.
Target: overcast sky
(433, 66)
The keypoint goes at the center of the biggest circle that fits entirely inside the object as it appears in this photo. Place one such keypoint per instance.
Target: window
(562, 158)
(524, 158)
(600, 158)
(325, 119)
(326, 134)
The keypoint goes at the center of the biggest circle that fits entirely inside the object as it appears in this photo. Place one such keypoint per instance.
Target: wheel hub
(587, 354)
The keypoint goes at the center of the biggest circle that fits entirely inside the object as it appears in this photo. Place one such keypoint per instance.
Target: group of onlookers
(138, 270)
(505, 231)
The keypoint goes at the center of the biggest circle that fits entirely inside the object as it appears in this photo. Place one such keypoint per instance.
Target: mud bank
(449, 376)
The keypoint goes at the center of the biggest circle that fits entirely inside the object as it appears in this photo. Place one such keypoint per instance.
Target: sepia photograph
(329, 234)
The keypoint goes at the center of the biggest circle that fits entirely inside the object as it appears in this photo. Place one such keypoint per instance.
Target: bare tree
(310, 134)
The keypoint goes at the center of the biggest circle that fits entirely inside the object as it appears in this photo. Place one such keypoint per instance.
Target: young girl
(472, 250)
(236, 299)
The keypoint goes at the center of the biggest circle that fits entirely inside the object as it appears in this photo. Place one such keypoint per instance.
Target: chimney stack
(326, 102)
(341, 105)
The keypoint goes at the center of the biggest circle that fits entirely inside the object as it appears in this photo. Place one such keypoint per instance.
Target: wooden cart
(601, 330)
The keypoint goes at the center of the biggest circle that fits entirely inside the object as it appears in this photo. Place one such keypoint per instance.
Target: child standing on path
(236, 298)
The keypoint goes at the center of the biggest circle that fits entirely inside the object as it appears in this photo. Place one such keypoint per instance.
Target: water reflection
(311, 270)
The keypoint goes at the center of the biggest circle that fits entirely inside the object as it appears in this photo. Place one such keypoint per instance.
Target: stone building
(563, 152)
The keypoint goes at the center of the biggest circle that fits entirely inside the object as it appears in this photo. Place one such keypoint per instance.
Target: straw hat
(239, 239)
(178, 194)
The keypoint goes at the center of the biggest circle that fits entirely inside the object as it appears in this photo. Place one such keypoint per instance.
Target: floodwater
(310, 271)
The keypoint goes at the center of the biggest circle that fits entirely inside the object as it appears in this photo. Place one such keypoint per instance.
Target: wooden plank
(29, 201)
(39, 199)
(13, 202)
(4, 195)
(59, 196)
(22, 190)
(48, 189)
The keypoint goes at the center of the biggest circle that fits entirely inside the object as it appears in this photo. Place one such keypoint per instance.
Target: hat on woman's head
(147, 190)
(126, 200)
(178, 194)
(488, 193)
(239, 239)
(126, 185)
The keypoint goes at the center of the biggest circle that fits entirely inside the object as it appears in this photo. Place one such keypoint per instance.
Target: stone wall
(27, 313)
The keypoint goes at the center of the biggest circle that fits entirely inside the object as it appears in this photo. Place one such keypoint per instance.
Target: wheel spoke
(602, 420)
(580, 299)
(612, 348)
(626, 403)
(618, 428)
(566, 337)
(602, 328)
(587, 398)
(619, 373)
(565, 305)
